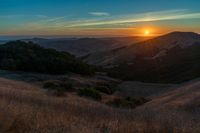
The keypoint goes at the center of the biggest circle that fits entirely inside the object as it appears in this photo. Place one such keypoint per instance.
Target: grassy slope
(186, 96)
(133, 88)
(27, 108)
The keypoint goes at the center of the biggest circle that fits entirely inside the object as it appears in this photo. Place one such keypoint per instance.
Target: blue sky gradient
(97, 17)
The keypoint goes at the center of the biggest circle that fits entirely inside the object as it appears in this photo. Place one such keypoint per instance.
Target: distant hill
(22, 56)
(85, 46)
(171, 58)
(173, 63)
(3, 41)
(150, 48)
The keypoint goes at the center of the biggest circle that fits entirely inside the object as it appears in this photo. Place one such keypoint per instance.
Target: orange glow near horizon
(147, 32)
(143, 31)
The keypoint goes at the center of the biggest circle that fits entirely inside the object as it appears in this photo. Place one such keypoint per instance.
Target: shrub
(57, 88)
(137, 100)
(128, 102)
(67, 86)
(58, 85)
(119, 102)
(90, 92)
(51, 85)
(105, 89)
(58, 92)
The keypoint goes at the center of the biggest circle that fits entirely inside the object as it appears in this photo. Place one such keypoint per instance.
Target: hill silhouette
(145, 49)
(171, 58)
(22, 56)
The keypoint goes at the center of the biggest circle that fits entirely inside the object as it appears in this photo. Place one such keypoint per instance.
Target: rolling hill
(22, 56)
(151, 48)
(84, 46)
(27, 107)
(172, 58)
(184, 96)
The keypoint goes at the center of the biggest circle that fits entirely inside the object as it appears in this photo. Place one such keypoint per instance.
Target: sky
(98, 17)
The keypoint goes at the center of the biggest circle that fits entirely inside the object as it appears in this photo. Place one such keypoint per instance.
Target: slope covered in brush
(22, 56)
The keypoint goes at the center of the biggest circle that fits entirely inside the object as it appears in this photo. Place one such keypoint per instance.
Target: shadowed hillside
(147, 49)
(84, 46)
(178, 65)
(171, 58)
(22, 56)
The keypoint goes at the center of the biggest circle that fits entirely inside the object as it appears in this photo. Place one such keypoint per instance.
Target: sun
(146, 32)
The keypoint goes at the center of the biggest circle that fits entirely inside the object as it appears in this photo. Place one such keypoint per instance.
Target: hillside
(109, 105)
(147, 49)
(171, 58)
(29, 108)
(21, 56)
(83, 46)
(178, 65)
(185, 96)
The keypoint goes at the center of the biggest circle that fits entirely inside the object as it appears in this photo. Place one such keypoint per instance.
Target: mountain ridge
(148, 48)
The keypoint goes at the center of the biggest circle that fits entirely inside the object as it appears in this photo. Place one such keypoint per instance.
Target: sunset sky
(98, 17)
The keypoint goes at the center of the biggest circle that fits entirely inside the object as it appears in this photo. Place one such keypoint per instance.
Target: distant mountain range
(152, 48)
(172, 58)
(84, 46)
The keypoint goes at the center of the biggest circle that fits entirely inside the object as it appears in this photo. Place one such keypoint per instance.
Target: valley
(134, 87)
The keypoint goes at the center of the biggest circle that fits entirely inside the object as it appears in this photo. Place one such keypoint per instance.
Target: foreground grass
(24, 108)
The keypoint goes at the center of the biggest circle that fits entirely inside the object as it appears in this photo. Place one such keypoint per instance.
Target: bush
(58, 92)
(105, 89)
(121, 103)
(128, 102)
(67, 86)
(90, 92)
(137, 100)
(58, 88)
(51, 85)
(57, 85)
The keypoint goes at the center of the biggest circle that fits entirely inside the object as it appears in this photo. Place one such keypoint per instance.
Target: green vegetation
(51, 84)
(57, 92)
(128, 102)
(22, 56)
(58, 84)
(137, 100)
(105, 89)
(90, 92)
(58, 88)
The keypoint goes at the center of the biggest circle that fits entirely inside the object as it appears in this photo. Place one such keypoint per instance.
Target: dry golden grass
(28, 109)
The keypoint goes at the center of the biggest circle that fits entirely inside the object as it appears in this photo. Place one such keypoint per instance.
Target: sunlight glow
(146, 32)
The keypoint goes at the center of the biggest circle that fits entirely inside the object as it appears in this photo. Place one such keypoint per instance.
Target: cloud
(111, 21)
(66, 23)
(41, 16)
(141, 17)
(54, 19)
(99, 13)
